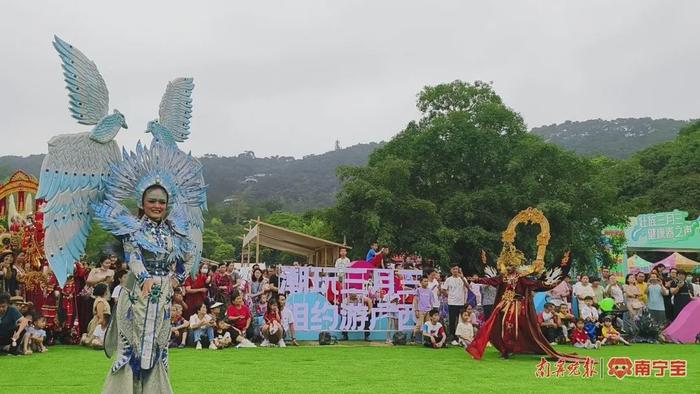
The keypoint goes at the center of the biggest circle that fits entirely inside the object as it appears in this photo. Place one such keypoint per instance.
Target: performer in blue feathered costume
(159, 255)
(83, 176)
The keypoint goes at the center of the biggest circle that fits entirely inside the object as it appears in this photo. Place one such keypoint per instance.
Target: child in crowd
(590, 315)
(580, 339)
(472, 315)
(222, 336)
(433, 333)
(567, 320)
(465, 328)
(97, 339)
(610, 335)
(272, 329)
(179, 298)
(422, 304)
(34, 336)
(178, 330)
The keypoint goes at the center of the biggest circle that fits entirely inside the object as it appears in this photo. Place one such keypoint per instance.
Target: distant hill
(297, 184)
(311, 182)
(619, 138)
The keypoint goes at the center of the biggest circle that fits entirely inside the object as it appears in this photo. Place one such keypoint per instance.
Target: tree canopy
(448, 184)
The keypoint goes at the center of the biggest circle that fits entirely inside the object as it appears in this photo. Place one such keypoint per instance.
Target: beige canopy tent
(317, 251)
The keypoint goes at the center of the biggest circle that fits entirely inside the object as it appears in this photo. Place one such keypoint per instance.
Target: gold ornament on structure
(511, 256)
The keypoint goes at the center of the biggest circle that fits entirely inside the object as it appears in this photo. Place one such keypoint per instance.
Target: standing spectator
(102, 274)
(273, 282)
(614, 291)
(456, 287)
(287, 320)
(641, 283)
(604, 274)
(561, 293)
(598, 291)
(178, 327)
(433, 333)
(8, 274)
(202, 325)
(374, 248)
(670, 282)
(632, 294)
(233, 274)
(434, 284)
(343, 261)
(475, 289)
(549, 323)
(422, 305)
(583, 289)
(696, 284)
(239, 316)
(655, 301)
(196, 289)
(488, 298)
(682, 293)
(257, 288)
(223, 284)
(22, 266)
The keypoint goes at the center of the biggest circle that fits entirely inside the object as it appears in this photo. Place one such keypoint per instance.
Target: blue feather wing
(176, 108)
(72, 178)
(87, 91)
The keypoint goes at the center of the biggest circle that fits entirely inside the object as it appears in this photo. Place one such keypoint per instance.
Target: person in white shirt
(434, 285)
(343, 261)
(583, 289)
(476, 289)
(202, 324)
(590, 315)
(287, 320)
(456, 286)
(121, 279)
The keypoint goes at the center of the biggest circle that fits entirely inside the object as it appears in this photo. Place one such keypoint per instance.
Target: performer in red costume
(513, 327)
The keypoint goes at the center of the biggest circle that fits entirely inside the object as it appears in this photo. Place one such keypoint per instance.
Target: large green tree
(447, 185)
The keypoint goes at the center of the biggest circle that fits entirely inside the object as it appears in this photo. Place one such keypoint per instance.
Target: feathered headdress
(177, 172)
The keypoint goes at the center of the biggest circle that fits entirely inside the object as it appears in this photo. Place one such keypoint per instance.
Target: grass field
(343, 368)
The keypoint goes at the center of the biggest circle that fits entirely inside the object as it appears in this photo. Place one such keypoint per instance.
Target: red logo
(620, 367)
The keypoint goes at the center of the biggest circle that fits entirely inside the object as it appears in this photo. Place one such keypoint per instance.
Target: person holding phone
(456, 287)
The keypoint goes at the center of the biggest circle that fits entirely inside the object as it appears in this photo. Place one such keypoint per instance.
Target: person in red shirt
(239, 316)
(272, 329)
(196, 290)
(580, 339)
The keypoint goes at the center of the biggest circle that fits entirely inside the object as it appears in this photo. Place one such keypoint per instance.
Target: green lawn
(342, 368)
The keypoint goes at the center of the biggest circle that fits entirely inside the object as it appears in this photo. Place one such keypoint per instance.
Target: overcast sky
(291, 77)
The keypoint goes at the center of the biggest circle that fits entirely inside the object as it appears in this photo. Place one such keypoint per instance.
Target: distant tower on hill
(337, 145)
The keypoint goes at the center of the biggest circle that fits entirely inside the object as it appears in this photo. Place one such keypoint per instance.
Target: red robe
(194, 300)
(512, 327)
(68, 295)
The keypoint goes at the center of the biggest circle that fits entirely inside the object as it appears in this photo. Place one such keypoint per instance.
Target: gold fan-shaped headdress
(512, 257)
